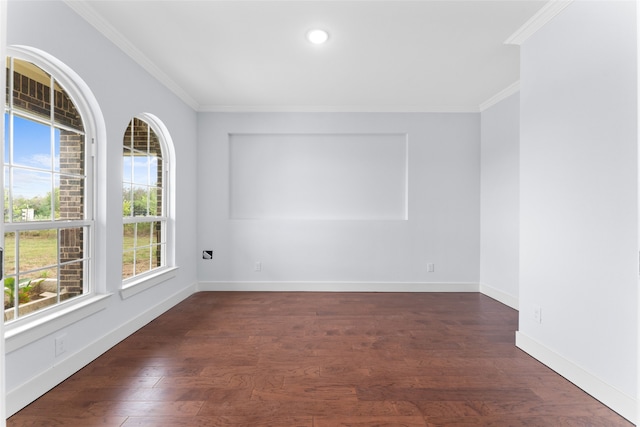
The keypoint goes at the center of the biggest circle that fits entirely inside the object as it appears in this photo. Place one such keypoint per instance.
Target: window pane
(31, 195)
(37, 249)
(127, 161)
(126, 200)
(65, 111)
(70, 152)
(56, 197)
(154, 166)
(6, 138)
(127, 264)
(155, 201)
(161, 232)
(37, 290)
(72, 280)
(128, 136)
(143, 260)
(9, 296)
(143, 234)
(140, 136)
(31, 144)
(156, 236)
(7, 63)
(31, 282)
(31, 89)
(140, 170)
(69, 198)
(71, 244)
(128, 238)
(140, 201)
(160, 205)
(8, 208)
(156, 256)
(10, 253)
(48, 277)
(154, 144)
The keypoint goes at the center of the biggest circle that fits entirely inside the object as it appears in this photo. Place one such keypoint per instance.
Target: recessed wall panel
(318, 176)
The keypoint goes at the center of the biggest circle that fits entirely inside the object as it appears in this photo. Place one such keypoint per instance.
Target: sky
(32, 149)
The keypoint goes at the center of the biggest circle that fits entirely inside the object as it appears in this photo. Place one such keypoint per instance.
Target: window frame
(36, 325)
(133, 285)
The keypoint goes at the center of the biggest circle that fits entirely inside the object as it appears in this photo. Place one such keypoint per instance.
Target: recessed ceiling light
(317, 36)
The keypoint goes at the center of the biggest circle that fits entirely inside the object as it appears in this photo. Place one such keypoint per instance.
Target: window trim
(46, 322)
(31, 328)
(136, 284)
(148, 280)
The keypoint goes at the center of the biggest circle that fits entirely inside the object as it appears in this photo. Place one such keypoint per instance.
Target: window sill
(21, 334)
(137, 285)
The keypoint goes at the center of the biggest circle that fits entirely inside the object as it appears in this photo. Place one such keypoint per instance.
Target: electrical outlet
(60, 344)
(537, 313)
(258, 266)
(431, 267)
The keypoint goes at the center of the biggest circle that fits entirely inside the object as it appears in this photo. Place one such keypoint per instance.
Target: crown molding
(89, 14)
(503, 94)
(537, 21)
(335, 109)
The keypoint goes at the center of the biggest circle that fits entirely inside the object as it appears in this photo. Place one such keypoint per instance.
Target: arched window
(48, 186)
(146, 207)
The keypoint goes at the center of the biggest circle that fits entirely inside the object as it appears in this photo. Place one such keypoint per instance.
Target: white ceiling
(382, 55)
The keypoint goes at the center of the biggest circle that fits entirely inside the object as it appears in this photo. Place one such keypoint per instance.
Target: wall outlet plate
(537, 313)
(60, 344)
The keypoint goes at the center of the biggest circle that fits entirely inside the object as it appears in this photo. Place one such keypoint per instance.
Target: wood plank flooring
(321, 360)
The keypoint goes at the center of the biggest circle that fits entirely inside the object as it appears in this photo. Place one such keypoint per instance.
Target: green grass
(39, 249)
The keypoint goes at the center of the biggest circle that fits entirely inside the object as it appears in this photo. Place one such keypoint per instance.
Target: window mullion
(46, 225)
(143, 219)
(16, 283)
(52, 149)
(148, 162)
(58, 287)
(135, 248)
(132, 186)
(9, 175)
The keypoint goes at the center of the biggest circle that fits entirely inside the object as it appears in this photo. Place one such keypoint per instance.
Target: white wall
(122, 89)
(443, 211)
(579, 199)
(500, 201)
(318, 176)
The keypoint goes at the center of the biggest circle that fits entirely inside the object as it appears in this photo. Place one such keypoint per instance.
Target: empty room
(320, 213)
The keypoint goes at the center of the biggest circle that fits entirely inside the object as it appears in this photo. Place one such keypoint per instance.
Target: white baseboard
(498, 295)
(618, 401)
(29, 391)
(338, 286)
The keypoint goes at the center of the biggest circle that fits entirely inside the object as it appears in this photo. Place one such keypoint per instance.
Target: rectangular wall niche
(318, 176)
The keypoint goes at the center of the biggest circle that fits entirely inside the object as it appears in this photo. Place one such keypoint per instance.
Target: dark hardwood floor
(321, 360)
